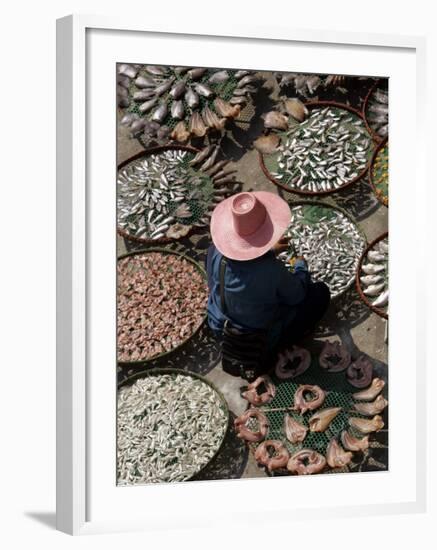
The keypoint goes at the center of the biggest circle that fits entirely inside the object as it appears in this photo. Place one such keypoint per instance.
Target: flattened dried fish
(371, 392)
(296, 109)
(373, 407)
(334, 357)
(276, 120)
(306, 462)
(244, 432)
(360, 372)
(267, 144)
(308, 398)
(294, 430)
(320, 421)
(336, 456)
(278, 460)
(365, 425)
(256, 399)
(351, 443)
(292, 363)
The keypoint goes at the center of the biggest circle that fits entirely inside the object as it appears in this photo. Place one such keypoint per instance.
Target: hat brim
(237, 247)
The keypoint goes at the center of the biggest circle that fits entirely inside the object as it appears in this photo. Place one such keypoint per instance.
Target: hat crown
(248, 213)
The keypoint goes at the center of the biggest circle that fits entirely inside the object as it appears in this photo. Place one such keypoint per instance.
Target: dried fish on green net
(330, 242)
(379, 174)
(180, 102)
(374, 275)
(164, 194)
(169, 426)
(326, 151)
(377, 111)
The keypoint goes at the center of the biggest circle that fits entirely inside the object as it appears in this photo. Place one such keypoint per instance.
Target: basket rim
(345, 213)
(380, 145)
(376, 137)
(197, 265)
(361, 175)
(145, 153)
(168, 370)
(363, 297)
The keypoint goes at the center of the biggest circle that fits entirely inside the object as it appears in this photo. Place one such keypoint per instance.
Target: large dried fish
(320, 421)
(360, 372)
(371, 392)
(275, 120)
(292, 363)
(196, 126)
(334, 357)
(257, 399)
(306, 462)
(180, 132)
(296, 109)
(336, 456)
(295, 432)
(373, 407)
(365, 425)
(225, 109)
(278, 460)
(308, 398)
(351, 443)
(248, 434)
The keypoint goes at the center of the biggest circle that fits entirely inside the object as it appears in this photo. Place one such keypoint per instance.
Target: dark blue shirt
(260, 293)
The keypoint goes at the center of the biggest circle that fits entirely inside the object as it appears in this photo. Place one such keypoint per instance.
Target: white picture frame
(79, 423)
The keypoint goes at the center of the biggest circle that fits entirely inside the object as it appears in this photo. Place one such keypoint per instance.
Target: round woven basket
(143, 362)
(363, 297)
(376, 137)
(345, 213)
(155, 372)
(146, 153)
(382, 144)
(313, 105)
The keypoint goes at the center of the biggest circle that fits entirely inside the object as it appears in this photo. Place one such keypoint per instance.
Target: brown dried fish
(320, 421)
(275, 120)
(365, 425)
(292, 363)
(294, 430)
(196, 125)
(371, 392)
(267, 144)
(177, 230)
(360, 372)
(334, 357)
(372, 408)
(296, 109)
(180, 132)
(336, 456)
(225, 109)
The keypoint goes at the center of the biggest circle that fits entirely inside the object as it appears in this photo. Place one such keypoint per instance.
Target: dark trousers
(309, 312)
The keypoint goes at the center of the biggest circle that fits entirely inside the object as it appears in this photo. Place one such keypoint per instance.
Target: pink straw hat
(245, 226)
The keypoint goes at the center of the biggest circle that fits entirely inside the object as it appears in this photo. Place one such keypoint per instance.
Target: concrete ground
(348, 318)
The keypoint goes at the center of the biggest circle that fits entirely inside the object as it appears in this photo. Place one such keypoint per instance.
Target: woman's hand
(281, 246)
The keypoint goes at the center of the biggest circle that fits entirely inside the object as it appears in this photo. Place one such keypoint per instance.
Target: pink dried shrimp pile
(161, 303)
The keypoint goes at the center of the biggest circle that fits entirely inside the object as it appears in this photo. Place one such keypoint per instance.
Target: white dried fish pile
(374, 275)
(179, 102)
(161, 302)
(329, 241)
(164, 194)
(324, 152)
(169, 426)
(377, 111)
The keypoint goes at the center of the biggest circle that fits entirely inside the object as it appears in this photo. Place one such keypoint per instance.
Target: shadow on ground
(45, 518)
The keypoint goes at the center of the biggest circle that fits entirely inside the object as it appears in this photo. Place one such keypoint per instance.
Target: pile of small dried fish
(180, 102)
(329, 241)
(379, 174)
(374, 275)
(169, 426)
(323, 153)
(161, 301)
(164, 194)
(377, 111)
